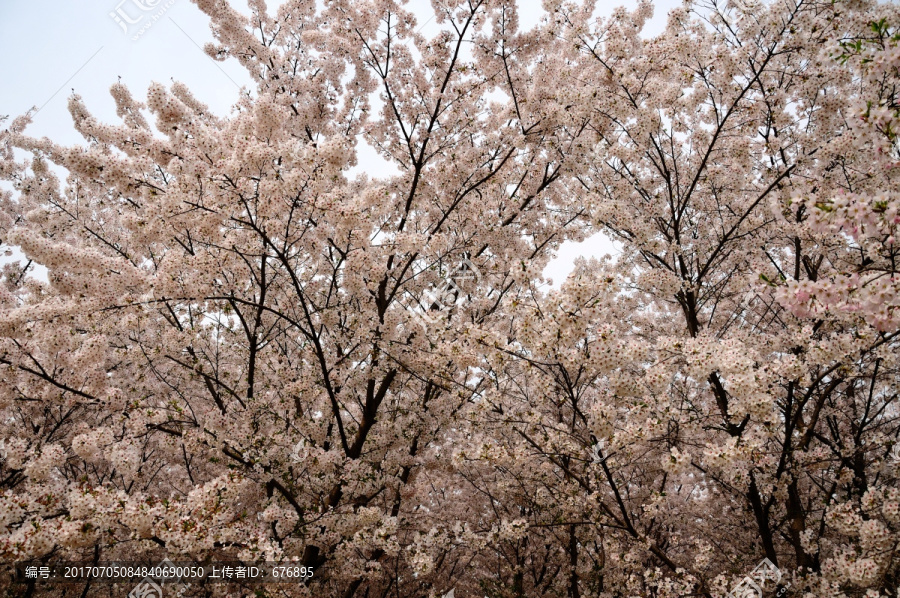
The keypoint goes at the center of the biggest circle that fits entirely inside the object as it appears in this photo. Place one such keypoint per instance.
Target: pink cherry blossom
(243, 351)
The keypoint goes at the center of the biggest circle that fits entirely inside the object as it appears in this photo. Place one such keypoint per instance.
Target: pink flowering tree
(241, 350)
(236, 352)
(859, 211)
(726, 389)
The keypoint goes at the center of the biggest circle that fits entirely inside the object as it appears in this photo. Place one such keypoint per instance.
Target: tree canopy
(242, 351)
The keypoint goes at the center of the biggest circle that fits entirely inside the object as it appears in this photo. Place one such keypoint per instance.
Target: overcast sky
(50, 47)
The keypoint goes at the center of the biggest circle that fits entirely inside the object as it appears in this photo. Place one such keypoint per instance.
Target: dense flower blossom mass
(222, 362)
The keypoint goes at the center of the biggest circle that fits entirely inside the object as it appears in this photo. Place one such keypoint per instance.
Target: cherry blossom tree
(725, 391)
(223, 360)
(243, 351)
